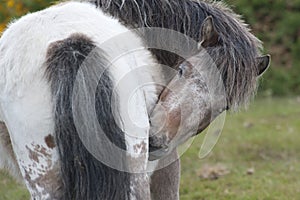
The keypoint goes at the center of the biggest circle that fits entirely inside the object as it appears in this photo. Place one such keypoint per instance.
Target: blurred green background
(257, 156)
(277, 24)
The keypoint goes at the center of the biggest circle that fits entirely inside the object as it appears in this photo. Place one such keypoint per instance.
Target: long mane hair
(235, 55)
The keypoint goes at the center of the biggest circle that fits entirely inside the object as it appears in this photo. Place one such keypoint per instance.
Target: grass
(265, 140)
(10, 190)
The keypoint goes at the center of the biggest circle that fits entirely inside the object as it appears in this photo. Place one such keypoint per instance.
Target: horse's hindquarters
(30, 123)
(29, 115)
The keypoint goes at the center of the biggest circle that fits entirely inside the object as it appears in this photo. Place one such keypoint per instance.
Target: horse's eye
(180, 71)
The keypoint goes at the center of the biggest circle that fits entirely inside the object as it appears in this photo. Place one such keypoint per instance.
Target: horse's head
(193, 98)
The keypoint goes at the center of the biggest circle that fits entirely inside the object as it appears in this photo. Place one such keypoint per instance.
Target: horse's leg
(7, 156)
(30, 124)
(165, 181)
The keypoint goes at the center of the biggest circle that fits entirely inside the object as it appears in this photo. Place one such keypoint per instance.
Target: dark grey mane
(237, 51)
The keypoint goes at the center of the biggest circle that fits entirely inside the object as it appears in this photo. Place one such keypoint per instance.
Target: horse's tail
(83, 176)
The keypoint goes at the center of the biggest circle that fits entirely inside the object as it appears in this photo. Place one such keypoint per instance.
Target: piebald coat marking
(25, 94)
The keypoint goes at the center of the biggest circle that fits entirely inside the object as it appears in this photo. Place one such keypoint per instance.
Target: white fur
(25, 94)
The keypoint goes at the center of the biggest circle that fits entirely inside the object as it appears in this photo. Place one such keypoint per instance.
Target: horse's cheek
(173, 123)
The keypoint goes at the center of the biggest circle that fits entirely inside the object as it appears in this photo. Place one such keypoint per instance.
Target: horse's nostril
(151, 140)
(158, 147)
(155, 143)
(153, 148)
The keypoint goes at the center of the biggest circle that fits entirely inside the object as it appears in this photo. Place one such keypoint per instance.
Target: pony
(49, 135)
(66, 106)
(58, 164)
(237, 55)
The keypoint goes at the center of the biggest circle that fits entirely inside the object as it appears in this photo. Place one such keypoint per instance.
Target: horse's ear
(263, 63)
(209, 35)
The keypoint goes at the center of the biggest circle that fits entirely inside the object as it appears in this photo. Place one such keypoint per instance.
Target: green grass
(10, 190)
(265, 138)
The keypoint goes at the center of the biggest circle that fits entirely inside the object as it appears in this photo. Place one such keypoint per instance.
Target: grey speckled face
(185, 107)
(200, 92)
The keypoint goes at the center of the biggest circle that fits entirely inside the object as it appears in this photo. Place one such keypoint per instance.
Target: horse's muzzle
(157, 147)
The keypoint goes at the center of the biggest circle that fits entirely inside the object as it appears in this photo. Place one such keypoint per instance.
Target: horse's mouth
(156, 153)
(157, 148)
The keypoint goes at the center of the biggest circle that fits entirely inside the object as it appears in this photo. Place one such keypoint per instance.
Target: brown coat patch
(49, 181)
(50, 141)
(140, 147)
(173, 122)
(33, 155)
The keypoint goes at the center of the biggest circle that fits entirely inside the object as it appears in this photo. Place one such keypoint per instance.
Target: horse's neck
(139, 14)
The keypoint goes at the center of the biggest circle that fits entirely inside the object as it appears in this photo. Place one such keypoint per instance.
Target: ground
(256, 157)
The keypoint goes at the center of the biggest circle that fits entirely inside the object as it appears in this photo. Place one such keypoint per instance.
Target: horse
(237, 55)
(65, 101)
(82, 160)
(46, 138)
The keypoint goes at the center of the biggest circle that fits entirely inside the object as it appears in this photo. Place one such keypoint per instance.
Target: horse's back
(25, 94)
(24, 44)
